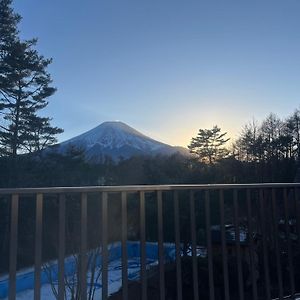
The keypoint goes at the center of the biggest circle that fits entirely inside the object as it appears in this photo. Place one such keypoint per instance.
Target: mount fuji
(118, 141)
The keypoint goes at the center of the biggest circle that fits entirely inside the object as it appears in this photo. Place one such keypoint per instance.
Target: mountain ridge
(117, 140)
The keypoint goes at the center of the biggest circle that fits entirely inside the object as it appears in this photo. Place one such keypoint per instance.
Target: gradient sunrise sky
(167, 67)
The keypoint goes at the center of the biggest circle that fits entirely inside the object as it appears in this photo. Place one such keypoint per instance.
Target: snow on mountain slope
(117, 139)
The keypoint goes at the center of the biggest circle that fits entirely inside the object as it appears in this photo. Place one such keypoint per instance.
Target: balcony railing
(258, 225)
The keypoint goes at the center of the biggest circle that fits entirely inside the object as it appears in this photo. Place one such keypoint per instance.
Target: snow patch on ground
(25, 277)
(114, 281)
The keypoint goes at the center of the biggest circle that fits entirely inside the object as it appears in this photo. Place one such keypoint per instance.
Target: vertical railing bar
(290, 254)
(38, 246)
(124, 247)
(160, 246)
(238, 245)
(61, 245)
(194, 246)
(209, 247)
(277, 250)
(224, 245)
(83, 247)
(297, 200)
(104, 247)
(177, 246)
(264, 242)
(13, 246)
(251, 244)
(143, 245)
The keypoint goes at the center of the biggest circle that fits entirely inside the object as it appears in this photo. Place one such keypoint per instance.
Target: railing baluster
(177, 245)
(277, 249)
(104, 247)
(83, 251)
(13, 246)
(209, 247)
(224, 245)
(161, 246)
(194, 246)
(124, 247)
(38, 246)
(143, 246)
(264, 243)
(297, 200)
(251, 244)
(83, 247)
(61, 246)
(238, 244)
(287, 232)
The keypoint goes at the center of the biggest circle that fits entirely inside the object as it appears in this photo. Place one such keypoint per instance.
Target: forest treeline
(264, 152)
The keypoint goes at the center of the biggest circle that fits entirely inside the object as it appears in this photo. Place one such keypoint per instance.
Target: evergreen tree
(209, 145)
(293, 130)
(249, 146)
(8, 25)
(271, 131)
(25, 86)
(8, 35)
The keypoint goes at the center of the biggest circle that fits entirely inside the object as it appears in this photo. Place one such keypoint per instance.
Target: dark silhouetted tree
(25, 86)
(8, 25)
(249, 146)
(271, 131)
(209, 145)
(293, 130)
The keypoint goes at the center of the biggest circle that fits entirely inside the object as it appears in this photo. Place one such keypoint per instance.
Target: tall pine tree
(25, 86)
(209, 144)
(8, 25)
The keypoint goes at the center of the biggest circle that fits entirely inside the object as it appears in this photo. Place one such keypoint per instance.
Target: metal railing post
(143, 245)
(251, 244)
(61, 246)
(209, 247)
(194, 246)
(289, 246)
(224, 245)
(177, 246)
(276, 244)
(161, 246)
(104, 247)
(83, 247)
(124, 247)
(13, 246)
(264, 244)
(238, 244)
(38, 246)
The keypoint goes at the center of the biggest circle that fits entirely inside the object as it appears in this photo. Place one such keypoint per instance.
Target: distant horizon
(167, 68)
(232, 139)
(137, 129)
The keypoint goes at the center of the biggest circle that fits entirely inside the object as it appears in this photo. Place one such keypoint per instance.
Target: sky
(167, 67)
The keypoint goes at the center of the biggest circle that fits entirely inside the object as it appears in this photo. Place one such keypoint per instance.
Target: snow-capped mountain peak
(116, 139)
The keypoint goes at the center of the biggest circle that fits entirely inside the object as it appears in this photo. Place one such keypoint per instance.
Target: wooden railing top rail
(146, 188)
